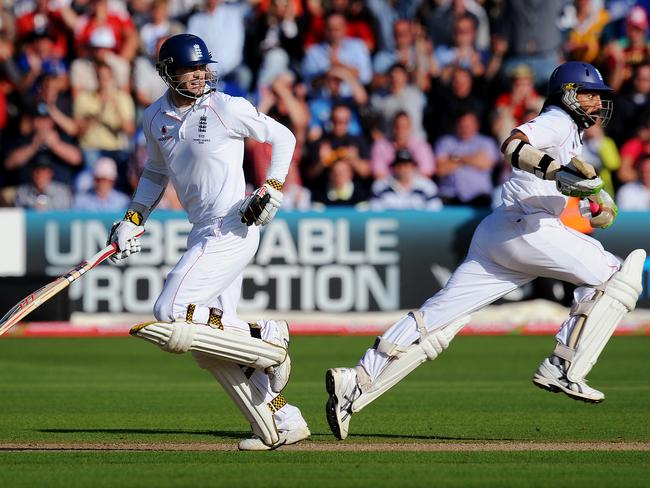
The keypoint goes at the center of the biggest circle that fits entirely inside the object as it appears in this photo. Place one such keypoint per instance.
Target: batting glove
(578, 179)
(260, 207)
(601, 210)
(125, 234)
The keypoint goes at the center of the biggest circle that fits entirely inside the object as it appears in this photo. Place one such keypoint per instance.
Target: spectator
(314, 21)
(38, 58)
(41, 139)
(635, 195)
(274, 40)
(221, 25)
(337, 50)
(148, 85)
(438, 18)
(285, 103)
(405, 188)
(51, 92)
(511, 107)
(583, 38)
(402, 96)
(54, 19)
(106, 119)
(361, 22)
(445, 102)
(386, 14)
(140, 12)
(335, 145)
(632, 150)
(329, 95)
(465, 162)
(83, 70)
(110, 17)
(383, 150)
(462, 51)
(9, 71)
(103, 197)
(9, 98)
(341, 188)
(160, 26)
(42, 193)
(633, 50)
(534, 37)
(410, 49)
(600, 151)
(181, 10)
(632, 105)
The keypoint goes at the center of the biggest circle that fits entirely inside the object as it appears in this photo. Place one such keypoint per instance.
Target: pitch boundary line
(337, 447)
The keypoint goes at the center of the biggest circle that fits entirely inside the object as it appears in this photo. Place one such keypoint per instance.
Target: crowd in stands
(395, 104)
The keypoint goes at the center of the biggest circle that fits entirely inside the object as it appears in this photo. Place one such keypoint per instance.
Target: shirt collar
(169, 109)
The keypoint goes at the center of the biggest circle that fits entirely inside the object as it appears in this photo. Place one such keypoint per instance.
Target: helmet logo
(568, 86)
(197, 51)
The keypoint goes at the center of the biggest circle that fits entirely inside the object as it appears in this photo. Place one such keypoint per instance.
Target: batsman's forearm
(150, 190)
(522, 155)
(284, 143)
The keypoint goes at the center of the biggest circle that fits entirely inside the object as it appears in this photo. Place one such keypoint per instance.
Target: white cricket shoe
(550, 376)
(290, 436)
(341, 384)
(279, 375)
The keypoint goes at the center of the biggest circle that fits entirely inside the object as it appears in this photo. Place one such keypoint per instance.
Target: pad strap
(214, 319)
(277, 403)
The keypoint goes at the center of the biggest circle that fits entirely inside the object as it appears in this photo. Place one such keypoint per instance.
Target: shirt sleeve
(155, 160)
(153, 181)
(545, 132)
(247, 121)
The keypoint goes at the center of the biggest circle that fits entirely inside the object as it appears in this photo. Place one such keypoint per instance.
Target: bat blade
(35, 299)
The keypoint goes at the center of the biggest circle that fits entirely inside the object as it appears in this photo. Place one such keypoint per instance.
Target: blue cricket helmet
(181, 51)
(572, 77)
(583, 75)
(184, 50)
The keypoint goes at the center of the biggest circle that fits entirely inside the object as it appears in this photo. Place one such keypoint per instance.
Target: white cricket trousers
(508, 250)
(209, 274)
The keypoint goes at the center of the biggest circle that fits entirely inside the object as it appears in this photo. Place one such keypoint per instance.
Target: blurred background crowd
(395, 104)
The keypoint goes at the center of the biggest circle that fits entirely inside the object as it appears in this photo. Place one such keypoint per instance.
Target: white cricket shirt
(555, 133)
(202, 150)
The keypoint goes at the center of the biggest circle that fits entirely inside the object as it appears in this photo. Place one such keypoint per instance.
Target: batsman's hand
(260, 207)
(601, 210)
(125, 234)
(578, 179)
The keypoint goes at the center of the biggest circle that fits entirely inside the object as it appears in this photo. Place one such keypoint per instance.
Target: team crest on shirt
(203, 128)
(165, 134)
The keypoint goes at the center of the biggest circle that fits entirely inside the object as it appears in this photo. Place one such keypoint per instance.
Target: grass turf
(123, 390)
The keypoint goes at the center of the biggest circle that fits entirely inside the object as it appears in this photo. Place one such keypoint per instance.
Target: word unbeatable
(306, 264)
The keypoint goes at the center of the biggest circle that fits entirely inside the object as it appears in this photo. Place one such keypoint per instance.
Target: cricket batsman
(195, 140)
(518, 242)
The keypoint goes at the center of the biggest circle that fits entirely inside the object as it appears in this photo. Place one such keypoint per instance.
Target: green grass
(124, 390)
